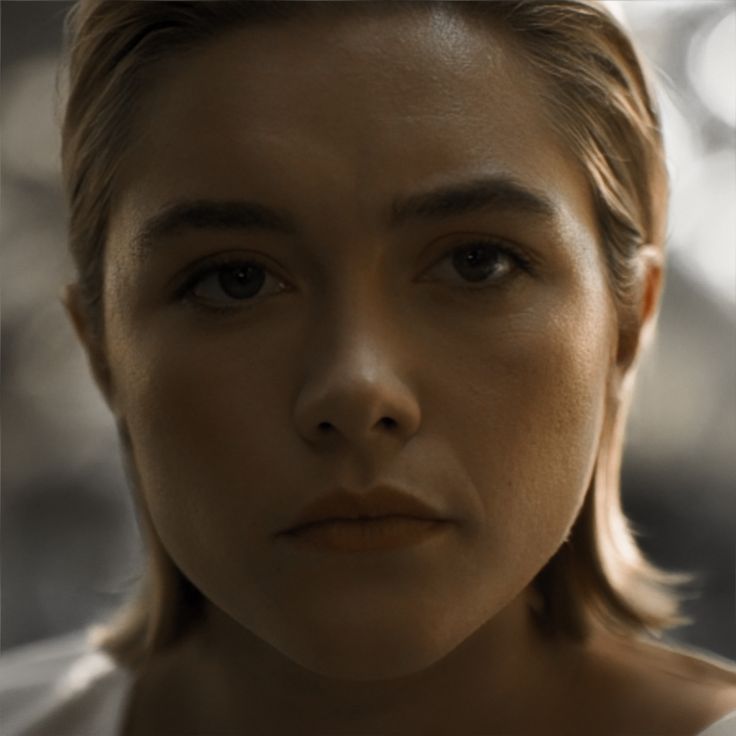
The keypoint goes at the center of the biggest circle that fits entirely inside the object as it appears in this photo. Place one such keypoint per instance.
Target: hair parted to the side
(604, 110)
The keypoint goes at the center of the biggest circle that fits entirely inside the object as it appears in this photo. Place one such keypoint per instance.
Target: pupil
(476, 264)
(235, 281)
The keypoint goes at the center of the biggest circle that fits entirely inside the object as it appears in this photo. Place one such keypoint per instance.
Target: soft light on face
(249, 393)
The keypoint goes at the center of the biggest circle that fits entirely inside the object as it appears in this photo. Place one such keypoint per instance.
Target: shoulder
(59, 685)
(644, 685)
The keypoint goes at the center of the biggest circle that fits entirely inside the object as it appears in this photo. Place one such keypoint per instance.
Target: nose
(354, 393)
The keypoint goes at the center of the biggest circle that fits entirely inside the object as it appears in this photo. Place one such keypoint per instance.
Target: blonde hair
(603, 108)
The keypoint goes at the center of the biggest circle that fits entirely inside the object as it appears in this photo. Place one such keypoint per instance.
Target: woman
(365, 286)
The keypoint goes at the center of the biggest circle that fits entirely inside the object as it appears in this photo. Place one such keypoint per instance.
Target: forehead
(351, 109)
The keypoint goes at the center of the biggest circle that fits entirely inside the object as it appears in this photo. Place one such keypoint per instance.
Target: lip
(376, 503)
(368, 535)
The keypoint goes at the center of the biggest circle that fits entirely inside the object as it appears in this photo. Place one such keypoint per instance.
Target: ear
(92, 343)
(637, 323)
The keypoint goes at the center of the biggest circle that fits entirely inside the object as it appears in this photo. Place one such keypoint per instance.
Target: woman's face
(480, 325)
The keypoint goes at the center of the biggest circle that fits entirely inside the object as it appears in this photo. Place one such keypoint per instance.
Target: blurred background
(70, 548)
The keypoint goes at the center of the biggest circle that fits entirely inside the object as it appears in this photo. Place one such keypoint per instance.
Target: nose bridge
(357, 307)
(355, 345)
(355, 384)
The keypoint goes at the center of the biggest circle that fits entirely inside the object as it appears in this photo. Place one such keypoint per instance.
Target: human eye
(483, 262)
(227, 283)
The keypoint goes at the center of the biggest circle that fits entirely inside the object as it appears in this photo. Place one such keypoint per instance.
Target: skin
(238, 419)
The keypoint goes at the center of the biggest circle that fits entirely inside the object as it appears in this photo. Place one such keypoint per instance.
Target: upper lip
(375, 503)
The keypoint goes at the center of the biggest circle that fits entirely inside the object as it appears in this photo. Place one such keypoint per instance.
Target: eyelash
(519, 262)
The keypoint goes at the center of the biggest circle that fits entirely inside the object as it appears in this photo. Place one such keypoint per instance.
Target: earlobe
(92, 343)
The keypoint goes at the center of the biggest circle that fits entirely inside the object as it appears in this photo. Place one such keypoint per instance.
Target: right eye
(225, 284)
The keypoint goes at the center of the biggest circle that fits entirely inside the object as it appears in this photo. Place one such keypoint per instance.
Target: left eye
(483, 262)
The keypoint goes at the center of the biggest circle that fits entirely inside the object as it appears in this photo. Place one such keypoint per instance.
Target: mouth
(363, 510)
(367, 534)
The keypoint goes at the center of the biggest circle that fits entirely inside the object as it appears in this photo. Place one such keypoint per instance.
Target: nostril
(388, 422)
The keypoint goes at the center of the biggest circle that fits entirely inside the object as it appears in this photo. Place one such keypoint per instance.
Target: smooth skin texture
(360, 350)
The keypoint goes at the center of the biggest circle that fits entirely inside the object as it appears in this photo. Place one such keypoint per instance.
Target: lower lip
(374, 535)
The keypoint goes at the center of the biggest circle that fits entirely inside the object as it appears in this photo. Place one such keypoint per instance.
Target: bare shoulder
(644, 686)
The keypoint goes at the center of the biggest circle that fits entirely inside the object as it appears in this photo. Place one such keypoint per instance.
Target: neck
(504, 675)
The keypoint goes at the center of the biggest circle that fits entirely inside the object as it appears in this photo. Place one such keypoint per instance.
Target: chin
(378, 651)
(366, 664)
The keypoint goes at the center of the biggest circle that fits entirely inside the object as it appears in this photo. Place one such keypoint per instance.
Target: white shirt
(64, 687)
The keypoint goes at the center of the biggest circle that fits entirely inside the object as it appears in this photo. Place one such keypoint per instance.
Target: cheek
(203, 440)
(544, 412)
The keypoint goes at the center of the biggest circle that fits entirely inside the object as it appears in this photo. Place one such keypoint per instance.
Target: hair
(604, 109)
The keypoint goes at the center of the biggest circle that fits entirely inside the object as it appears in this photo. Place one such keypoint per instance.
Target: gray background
(70, 549)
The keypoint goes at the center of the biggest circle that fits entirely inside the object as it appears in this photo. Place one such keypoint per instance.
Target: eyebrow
(489, 194)
(485, 194)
